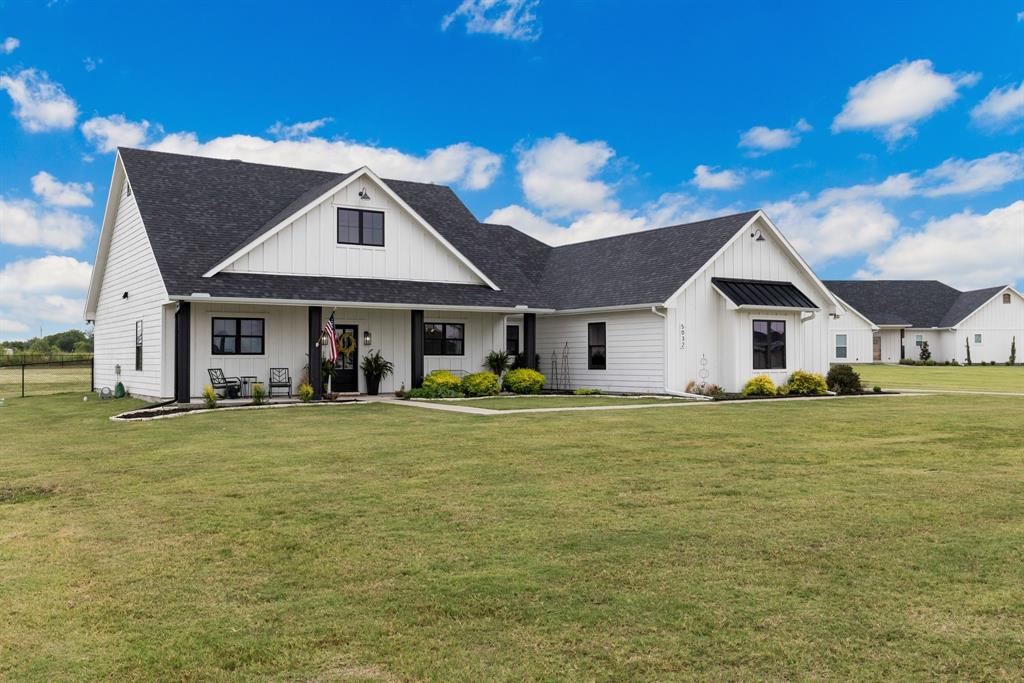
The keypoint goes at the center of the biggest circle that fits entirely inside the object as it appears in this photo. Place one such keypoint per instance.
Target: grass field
(854, 539)
(44, 379)
(523, 402)
(963, 378)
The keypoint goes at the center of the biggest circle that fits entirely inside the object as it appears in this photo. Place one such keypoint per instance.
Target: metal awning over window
(769, 294)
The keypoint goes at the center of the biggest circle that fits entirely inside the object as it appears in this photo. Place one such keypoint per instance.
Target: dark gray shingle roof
(198, 210)
(917, 303)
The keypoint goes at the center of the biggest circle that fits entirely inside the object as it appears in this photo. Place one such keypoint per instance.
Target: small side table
(247, 382)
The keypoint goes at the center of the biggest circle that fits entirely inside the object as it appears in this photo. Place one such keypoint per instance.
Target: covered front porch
(248, 340)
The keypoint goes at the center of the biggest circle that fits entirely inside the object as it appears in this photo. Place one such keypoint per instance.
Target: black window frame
(508, 340)
(238, 336)
(362, 233)
(845, 347)
(428, 342)
(770, 354)
(138, 346)
(591, 346)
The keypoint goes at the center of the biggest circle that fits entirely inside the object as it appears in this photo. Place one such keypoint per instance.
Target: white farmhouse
(889, 320)
(207, 264)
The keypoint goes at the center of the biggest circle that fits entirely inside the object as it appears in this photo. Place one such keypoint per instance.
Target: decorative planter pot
(372, 385)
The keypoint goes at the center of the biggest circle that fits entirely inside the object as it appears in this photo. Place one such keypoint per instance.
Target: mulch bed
(741, 397)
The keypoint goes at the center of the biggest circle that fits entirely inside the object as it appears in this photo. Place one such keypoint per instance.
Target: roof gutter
(206, 298)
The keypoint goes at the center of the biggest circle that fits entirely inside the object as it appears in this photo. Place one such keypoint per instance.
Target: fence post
(92, 374)
(23, 380)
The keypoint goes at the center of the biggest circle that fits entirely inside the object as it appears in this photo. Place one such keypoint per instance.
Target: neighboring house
(206, 263)
(891, 319)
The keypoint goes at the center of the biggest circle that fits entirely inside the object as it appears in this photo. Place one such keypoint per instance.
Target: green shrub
(209, 396)
(259, 394)
(908, 361)
(481, 384)
(759, 385)
(1013, 351)
(523, 381)
(877, 389)
(585, 391)
(926, 353)
(442, 379)
(782, 390)
(497, 362)
(433, 392)
(305, 393)
(843, 379)
(803, 383)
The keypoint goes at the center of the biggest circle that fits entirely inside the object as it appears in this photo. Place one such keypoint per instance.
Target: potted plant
(375, 367)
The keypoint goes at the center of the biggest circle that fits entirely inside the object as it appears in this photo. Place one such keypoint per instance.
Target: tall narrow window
(138, 346)
(840, 346)
(356, 226)
(769, 344)
(977, 339)
(597, 356)
(918, 340)
(444, 339)
(1006, 297)
(512, 339)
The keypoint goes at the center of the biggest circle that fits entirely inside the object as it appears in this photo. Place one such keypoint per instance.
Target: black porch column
(182, 352)
(530, 339)
(903, 348)
(416, 361)
(316, 379)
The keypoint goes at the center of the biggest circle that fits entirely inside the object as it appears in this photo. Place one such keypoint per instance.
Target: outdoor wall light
(758, 237)
(364, 195)
(117, 370)
(367, 338)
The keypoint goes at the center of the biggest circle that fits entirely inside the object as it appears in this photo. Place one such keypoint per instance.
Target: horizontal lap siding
(309, 245)
(130, 267)
(635, 350)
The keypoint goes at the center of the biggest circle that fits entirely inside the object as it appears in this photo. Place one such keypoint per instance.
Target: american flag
(332, 339)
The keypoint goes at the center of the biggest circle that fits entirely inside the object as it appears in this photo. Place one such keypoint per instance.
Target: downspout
(671, 392)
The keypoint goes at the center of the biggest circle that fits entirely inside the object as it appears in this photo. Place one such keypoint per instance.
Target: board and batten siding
(132, 268)
(859, 339)
(309, 245)
(635, 347)
(998, 324)
(285, 343)
(708, 341)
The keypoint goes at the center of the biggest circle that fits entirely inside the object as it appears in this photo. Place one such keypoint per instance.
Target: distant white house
(206, 263)
(889, 320)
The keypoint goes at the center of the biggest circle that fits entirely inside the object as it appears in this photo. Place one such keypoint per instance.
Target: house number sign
(682, 335)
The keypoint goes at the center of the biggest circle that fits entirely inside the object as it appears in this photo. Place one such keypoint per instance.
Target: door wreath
(347, 344)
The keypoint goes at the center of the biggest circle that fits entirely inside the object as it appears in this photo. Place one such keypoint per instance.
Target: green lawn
(963, 378)
(523, 402)
(41, 380)
(862, 538)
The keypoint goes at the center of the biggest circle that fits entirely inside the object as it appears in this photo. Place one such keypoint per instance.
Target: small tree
(926, 353)
(1013, 351)
(967, 343)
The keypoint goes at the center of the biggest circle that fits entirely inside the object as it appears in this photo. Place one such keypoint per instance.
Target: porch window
(238, 336)
(597, 356)
(840, 346)
(356, 226)
(512, 340)
(138, 346)
(444, 339)
(769, 344)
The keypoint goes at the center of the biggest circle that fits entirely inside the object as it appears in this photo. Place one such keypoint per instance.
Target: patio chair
(280, 379)
(229, 387)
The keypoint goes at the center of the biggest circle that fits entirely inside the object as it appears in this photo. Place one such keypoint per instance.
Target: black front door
(346, 377)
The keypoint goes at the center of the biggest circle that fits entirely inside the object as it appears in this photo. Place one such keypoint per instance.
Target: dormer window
(356, 226)
(1006, 297)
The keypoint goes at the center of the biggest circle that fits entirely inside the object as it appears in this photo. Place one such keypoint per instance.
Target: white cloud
(838, 230)
(24, 222)
(966, 250)
(706, 178)
(9, 45)
(90, 63)
(1020, 16)
(958, 176)
(47, 289)
(513, 19)
(56, 193)
(892, 101)
(1001, 108)
(297, 130)
(107, 133)
(9, 328)
(761, 139)
(39, 103)
(461, 163)
(558, 175)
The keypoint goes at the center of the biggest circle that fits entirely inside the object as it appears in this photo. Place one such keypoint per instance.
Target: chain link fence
(51, 377)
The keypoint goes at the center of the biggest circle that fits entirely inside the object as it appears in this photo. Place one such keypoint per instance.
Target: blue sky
(884, 139)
